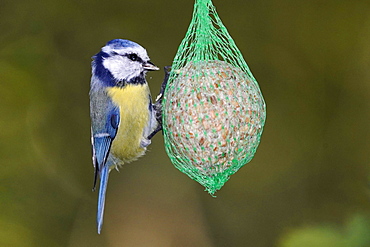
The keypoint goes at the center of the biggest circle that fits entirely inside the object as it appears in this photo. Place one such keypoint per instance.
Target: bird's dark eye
(133, 57)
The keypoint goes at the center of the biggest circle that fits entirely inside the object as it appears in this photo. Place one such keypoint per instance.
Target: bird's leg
(159, 98)
(157, 106)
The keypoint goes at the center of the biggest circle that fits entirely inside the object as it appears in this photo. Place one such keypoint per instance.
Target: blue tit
(123, 118)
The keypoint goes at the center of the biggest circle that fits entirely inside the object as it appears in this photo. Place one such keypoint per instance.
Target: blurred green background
(308, 184)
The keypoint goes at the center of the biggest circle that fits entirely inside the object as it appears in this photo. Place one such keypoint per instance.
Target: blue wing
(105, 119)
(102, 140)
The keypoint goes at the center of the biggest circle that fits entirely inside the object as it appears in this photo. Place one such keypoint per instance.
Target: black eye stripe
(133, 57)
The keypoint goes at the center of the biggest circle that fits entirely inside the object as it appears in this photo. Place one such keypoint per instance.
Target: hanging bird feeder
(213, 109)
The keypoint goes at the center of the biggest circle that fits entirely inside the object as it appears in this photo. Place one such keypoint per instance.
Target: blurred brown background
(308, 184)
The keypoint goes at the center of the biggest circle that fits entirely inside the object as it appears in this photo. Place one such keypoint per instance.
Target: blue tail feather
(102, 192)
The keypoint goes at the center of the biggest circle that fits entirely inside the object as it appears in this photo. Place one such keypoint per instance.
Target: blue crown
(119, 43)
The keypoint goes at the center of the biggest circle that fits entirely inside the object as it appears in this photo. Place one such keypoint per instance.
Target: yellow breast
(133, 102)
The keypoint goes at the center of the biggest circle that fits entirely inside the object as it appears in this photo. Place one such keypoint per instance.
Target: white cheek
(121, 68)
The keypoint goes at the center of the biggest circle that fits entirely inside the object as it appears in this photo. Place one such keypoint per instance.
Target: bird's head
(123, 60)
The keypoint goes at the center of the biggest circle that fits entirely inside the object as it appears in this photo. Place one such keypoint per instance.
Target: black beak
(150, 66)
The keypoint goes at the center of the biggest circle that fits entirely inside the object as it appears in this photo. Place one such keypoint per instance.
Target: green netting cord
(213, 109)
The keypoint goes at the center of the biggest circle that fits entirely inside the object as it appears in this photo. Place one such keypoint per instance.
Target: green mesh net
(213, 109)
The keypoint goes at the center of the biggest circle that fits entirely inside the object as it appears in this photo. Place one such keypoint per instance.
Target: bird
(123, 117)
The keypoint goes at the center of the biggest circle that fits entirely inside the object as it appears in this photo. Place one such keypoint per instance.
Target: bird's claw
(157, 106)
